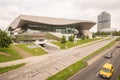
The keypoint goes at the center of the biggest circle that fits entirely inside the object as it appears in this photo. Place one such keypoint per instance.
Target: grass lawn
(72, 44)
(74, 68)
(13, 55)
(33, 51)
(9, 68)
(119, 77)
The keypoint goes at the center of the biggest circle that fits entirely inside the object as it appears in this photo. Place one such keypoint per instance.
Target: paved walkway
(52, 63)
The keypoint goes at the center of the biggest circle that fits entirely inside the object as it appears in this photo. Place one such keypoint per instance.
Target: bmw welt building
(27, 24)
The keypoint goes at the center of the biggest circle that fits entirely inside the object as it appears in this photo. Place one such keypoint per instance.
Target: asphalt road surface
(92, 72)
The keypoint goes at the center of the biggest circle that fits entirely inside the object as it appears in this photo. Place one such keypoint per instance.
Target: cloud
(73, 9)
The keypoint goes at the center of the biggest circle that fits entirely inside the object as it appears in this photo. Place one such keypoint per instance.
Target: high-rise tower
(104, 20)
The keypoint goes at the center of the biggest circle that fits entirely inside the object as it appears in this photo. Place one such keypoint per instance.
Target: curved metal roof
(26, 19)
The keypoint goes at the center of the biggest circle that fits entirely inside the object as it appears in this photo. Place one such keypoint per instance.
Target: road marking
(97, 74)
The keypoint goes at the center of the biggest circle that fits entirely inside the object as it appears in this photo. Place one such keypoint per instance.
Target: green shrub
(83, 37)
(87, 37)
(71, 38)
(63, 40)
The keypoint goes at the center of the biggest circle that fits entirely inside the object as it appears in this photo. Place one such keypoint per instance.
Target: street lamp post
(75, 34)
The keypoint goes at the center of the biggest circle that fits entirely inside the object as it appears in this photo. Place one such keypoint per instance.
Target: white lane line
(97, 74)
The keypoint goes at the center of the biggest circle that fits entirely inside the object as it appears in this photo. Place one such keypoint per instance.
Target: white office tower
(104, 20)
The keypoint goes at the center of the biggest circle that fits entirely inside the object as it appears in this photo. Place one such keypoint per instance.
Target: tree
(93, 35)
(118, 39)
(71, 38)
(83, 37)
(5, 40)
(63, 40)
(87, 37)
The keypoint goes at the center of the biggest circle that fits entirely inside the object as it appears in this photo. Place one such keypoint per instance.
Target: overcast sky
(73, 9)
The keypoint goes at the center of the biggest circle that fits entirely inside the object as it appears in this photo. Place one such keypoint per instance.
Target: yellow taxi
(106, 71)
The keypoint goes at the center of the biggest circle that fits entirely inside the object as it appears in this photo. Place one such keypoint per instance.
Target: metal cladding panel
(22, 20)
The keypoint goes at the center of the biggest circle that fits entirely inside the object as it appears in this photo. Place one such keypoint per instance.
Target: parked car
(118, 46)
(108, 55)
(41, 42)
(106, 71)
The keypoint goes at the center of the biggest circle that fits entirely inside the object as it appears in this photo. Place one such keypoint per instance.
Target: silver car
(108, 55)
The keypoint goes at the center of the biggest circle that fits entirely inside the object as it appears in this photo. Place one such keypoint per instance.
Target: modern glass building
(26, 24)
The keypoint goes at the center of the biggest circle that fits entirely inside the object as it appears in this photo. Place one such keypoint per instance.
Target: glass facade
(64, 29)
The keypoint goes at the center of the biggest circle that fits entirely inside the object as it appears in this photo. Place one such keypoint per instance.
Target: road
(92, 71)
(52, 63)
